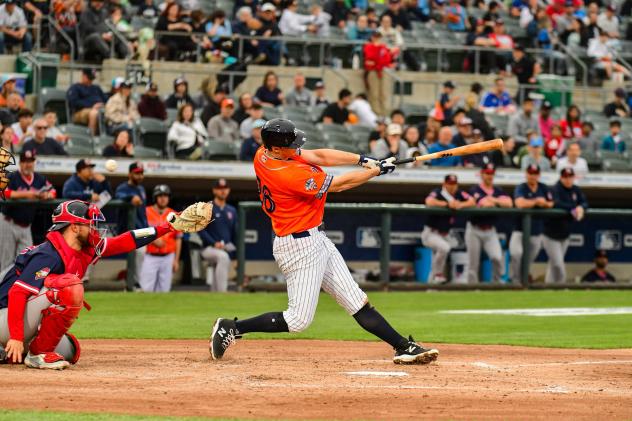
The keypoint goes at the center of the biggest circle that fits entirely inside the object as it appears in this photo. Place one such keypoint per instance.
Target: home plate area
(309, 379)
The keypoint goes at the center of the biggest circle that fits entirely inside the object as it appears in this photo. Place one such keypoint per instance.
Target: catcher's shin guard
(65, 292)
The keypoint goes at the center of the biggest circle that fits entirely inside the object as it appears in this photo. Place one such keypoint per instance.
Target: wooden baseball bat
(488, 145)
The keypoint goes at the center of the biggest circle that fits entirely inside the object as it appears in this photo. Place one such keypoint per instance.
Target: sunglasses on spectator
(41, 127)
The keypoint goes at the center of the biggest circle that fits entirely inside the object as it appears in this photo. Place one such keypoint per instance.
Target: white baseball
(111, 165)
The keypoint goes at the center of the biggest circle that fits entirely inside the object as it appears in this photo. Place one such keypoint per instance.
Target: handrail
(387, 210)
(53, 23)
(577, 60)
(118, 35)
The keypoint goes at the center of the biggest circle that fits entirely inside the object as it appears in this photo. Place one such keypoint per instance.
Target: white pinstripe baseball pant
(308, 264)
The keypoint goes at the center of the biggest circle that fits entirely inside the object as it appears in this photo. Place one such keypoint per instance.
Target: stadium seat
(593, 160)
(612, 155)
(172, 114)
(333, 128)
(54, 99)
(616, 165)
(73, 129)
(78, 149)
(143, 152)
(272, 112)
(152, 133)
(82, 139)
(415, 113)
(220, 151)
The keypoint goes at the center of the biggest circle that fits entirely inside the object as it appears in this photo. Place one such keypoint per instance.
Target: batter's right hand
(368, 162)
(386, 165)
(14, 351)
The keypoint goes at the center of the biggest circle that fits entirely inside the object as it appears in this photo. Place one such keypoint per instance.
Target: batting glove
(386, 165)
(368, 162)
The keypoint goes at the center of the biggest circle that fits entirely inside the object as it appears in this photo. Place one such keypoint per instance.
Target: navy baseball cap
(567, 172)
(221, 184)
(84, 163)
(136, 167)
(601, 253)
(533, 169)
(28, 155)
(450, 179)
(488, 168)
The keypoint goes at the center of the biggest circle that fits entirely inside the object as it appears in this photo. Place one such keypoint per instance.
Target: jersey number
(265, 197)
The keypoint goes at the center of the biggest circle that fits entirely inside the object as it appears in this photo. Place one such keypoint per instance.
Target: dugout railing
(112, 204)
(387, 211)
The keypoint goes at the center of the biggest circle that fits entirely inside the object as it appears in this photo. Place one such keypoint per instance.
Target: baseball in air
(111, 165)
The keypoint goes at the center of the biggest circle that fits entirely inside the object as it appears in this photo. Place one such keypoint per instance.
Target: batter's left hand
(386, 165)
(14, 351)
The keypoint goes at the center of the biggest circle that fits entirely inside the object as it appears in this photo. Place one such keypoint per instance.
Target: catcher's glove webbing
(193, 219)
(6, 159)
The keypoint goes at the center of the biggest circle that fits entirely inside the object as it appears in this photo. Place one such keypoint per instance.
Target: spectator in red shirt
(376, 58)
(502, 41)
(572, 125)
(555, 146)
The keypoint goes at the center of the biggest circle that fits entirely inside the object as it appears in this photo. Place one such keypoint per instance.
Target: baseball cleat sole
(39, 361)
(425, 357)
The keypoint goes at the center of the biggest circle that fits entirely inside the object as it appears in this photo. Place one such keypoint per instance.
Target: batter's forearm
(352, 179)
(330, 157)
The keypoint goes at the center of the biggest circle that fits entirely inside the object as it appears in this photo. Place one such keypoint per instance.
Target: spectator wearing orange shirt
(163, 255)
(376, 58)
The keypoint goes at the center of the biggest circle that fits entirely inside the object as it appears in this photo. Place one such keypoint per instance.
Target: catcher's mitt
(193, 219)
(6, 158)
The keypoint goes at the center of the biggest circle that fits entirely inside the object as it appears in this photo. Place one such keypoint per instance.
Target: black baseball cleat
(223, 335)
(413, 353)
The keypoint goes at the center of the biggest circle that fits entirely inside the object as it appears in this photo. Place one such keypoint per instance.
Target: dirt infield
(311, 379)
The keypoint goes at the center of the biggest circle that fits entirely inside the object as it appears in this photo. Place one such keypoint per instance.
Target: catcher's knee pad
(65, 292)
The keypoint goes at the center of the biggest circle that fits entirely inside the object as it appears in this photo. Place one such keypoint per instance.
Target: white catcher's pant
(308, 264)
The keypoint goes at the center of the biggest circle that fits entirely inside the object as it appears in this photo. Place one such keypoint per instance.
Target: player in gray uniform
(480, 232)
(436, 232)
(529, 195)
(569, 197)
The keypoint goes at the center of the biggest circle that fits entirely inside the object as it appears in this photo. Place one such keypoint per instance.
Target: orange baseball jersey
(154, 218)
(293, 192)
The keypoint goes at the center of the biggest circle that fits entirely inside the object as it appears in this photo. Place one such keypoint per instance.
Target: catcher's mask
(6, 159)
(80, 212)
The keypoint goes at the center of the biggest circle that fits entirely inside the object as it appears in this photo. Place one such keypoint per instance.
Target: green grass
(12, 415)
(190, 315)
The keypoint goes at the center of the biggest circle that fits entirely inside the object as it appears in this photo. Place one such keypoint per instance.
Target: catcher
(6, 159)
(42, 294)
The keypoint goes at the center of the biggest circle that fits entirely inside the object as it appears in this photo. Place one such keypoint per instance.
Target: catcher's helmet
(161, 189)
(282, 133)
(80, 212)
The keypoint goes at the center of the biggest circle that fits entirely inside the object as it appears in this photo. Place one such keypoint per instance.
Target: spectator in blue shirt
(85, 184)
(498, 100)
(85, 99)
(455, 16)
(218, 28)
(250, 146)
(614, 141)
(444, 142)
(133, 192)
(448, 101)
(218, 238)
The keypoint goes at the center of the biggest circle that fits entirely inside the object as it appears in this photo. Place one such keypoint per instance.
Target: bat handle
(404, 161)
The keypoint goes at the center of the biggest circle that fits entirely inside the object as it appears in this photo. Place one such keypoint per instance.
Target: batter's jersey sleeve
(307, 181)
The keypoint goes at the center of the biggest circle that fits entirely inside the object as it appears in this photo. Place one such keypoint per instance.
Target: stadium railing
(387, 211)
(112, 204)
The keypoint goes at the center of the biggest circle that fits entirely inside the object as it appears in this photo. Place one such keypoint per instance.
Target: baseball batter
(293, 190)
(480, 232)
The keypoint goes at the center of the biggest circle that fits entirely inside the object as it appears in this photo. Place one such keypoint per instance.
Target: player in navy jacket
(569, 197)
(85, 184)
(42, 294)
(15, 221)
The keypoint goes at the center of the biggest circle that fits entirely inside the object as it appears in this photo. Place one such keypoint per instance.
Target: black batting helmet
(282, 133)
(160, 190)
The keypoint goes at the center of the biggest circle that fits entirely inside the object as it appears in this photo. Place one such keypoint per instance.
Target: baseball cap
(28, 155)
(465, 121)
(319, 85)
(392, 129)
(90, 73)
(179, 81)
(533, 169)
(601, 253)
(620, 93)
(488, 168)
(221, 184)
(259, 123)
(152, 86)
(117, 81)
(7, 78)
(546, 104)
(499, 22)
(10, 1)
(125, 84)
(221, 89)
(612, 7)
(536, 142)
(84, 163)
(519, 47)
(136, 167)
(567, 172)
(449, 84)
(450, 179)
(227, 102)
(268, 7)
